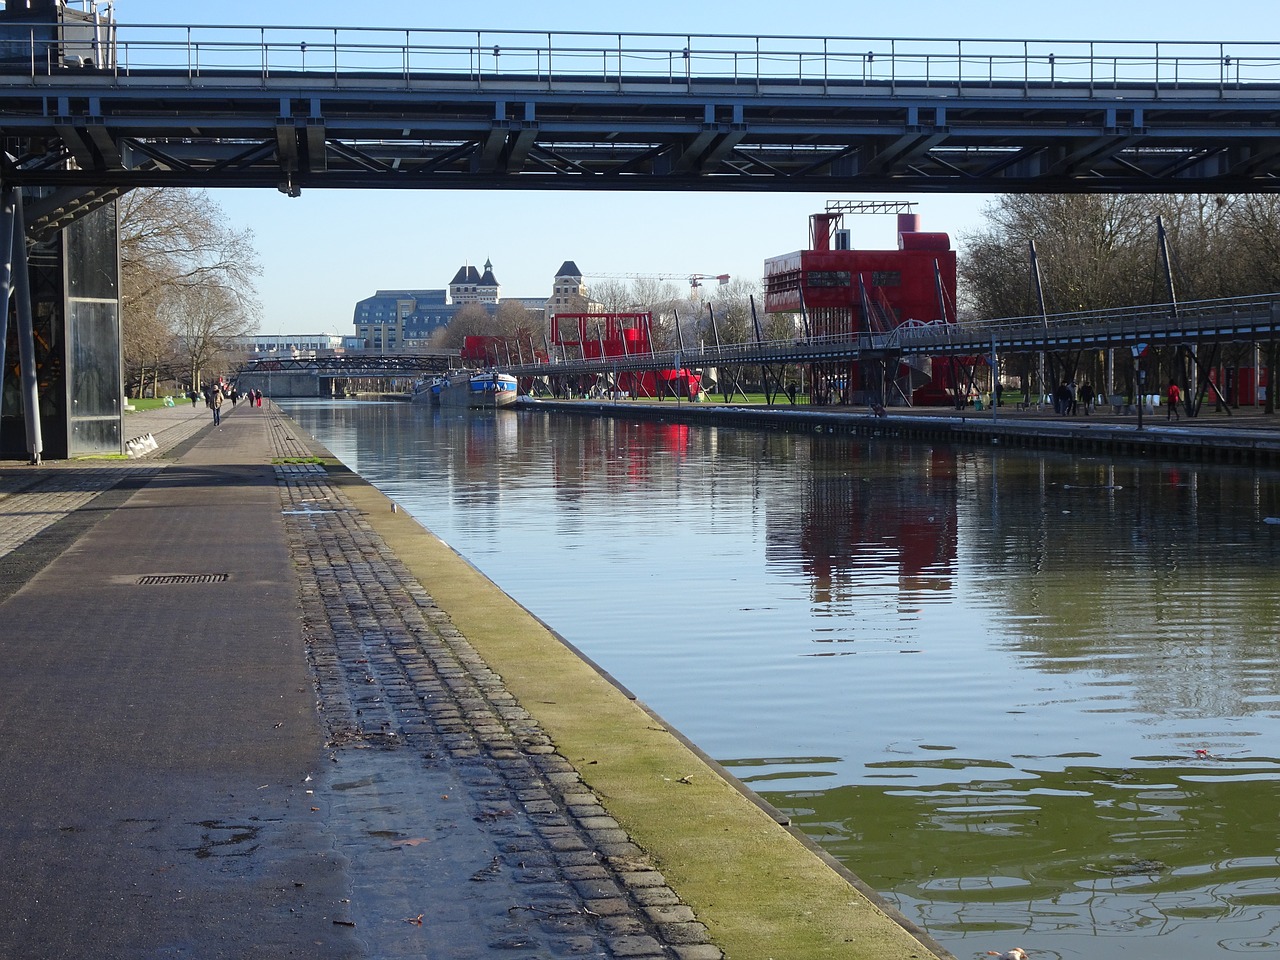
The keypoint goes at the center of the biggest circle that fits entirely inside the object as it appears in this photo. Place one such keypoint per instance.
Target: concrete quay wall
(763, 889)
(1218, 439)
(286, 384)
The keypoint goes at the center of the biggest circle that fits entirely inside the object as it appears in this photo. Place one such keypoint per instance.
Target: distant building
(393, 321)
(848, 293)
(470, 286)
(568, 292)
(404, 321)
(292, 345)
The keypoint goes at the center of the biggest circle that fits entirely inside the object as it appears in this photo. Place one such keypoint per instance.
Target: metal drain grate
(167, 578)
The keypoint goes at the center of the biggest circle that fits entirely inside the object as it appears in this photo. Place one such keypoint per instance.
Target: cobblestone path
(35, 498)
(498, 845)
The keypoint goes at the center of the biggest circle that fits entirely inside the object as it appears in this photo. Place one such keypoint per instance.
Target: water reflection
(1032, 698)
(860, 515)
(1147, 856)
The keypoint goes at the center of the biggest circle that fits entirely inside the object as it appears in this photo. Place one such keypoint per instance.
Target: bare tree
(151, 352)
(732, 306)
(1097, 252)
(1255, 227)
(663, 300)
(471, 320)
(205, 318)
(514, 319)
(1094, 251)
(615, 296)
(173, 241)
(1102, 251)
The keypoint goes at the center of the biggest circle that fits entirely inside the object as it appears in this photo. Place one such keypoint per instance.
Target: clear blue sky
(325, 250)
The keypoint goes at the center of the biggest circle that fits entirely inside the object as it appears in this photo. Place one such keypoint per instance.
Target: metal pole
(1040, 302)
(995, 381)
(26, 333)
(1138, 377)
(6, 270)
(600, 337)
(1162, 238)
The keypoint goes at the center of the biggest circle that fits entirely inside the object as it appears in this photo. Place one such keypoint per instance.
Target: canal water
(1033, 699)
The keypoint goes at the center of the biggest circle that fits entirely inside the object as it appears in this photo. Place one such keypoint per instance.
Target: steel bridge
(342, 375)
(296, 108)
(356, 366)
(88, 111)
(1190, 325)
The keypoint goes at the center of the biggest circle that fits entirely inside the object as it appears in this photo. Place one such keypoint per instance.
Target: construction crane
(694, 280)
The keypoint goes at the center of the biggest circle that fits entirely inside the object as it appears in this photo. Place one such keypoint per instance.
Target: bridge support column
(65, 326)
(26, 333)
(8, 214)
(16, 283)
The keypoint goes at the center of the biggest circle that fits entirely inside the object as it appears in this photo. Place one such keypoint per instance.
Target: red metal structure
(846, 293)
(592, 336)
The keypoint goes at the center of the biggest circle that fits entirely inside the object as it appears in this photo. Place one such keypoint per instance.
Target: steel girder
(355, 365)
(100, 129)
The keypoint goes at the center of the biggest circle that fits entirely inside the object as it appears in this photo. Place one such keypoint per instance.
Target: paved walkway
(197, 766)
(234, 724)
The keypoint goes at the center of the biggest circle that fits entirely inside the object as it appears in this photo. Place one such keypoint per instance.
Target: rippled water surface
(1033, 699)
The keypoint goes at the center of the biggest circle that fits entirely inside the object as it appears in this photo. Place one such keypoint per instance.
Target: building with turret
(568, 292)
(405, 321)
(470, 286)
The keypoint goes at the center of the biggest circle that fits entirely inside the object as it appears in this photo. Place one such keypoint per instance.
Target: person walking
(1061, 399)
(1175, 397)
(215, 401)
(1086, 397)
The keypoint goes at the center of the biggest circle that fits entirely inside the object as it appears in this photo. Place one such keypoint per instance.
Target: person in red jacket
(1175, 396)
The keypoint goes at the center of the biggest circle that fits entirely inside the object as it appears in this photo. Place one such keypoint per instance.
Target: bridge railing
(680, 59)
(1163, 323)
(1134, 321)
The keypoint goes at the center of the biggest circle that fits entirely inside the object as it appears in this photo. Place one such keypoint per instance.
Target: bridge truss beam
(90, 129)
(356, 365)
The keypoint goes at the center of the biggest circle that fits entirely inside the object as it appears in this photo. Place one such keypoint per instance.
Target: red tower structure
(843, 293)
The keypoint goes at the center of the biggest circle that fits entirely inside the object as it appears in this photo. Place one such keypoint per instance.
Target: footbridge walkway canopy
(296, 108)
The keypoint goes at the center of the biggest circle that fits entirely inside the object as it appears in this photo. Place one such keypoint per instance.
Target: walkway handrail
(1124, 325)
(1083, 67)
